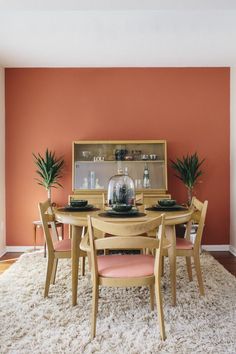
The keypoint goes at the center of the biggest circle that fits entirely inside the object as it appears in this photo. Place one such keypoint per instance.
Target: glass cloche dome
(121, 189)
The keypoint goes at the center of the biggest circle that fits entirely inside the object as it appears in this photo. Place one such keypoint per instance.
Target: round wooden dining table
(78, 220)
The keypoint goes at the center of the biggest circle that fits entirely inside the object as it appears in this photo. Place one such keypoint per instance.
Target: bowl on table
(78, 203)
(166, 202)
(122, 207)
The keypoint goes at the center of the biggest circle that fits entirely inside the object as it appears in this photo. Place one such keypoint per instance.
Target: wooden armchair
(126, 270)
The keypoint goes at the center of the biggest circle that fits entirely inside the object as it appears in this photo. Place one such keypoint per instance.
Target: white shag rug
(31, 324)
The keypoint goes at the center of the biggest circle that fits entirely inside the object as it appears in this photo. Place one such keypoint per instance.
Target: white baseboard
(21, 248)
(215, 247)
(3, 251)
(232, 250)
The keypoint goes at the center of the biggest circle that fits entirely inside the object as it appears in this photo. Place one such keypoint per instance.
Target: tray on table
(122, 214)
(88, 207)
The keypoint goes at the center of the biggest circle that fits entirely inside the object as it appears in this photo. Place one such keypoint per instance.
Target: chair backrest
(126, 236)
(199, 216)
(139, 198)
(152, 199)
(47, 218)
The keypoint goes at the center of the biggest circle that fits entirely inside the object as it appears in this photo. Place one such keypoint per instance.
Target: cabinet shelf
(119, 161)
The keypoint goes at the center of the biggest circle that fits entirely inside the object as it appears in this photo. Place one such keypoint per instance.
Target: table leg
(171, 236)
(76, 237)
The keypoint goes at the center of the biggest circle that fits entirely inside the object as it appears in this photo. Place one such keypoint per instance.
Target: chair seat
(128, 266)
(63, 245)
(183, 244)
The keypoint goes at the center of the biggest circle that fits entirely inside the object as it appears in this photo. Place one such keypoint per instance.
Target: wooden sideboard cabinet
(94, 162)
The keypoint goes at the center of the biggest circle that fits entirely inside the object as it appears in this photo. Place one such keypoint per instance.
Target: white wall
(233, 160)
(2, 163)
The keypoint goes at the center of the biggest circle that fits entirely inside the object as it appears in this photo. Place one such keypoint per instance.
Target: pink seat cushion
(63, 245)
(183, 244)
(126, 266)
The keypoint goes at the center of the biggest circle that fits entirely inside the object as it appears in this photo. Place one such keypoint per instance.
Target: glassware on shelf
(97, 185)
(86, 155)
(146, 177)
(91, 180)
(138, 183)
(85, 183)
(121, 189)
(120, 154)
(136, 154)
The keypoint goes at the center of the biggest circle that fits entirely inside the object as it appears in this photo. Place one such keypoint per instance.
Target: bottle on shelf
(146, 177)
(85, 183)
(91, 180)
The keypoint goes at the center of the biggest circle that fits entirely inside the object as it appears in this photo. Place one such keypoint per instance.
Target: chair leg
(172, 260)
(152, 296)
(83, 266)
(189, 268)
(162, 265)
(49, 275)
(199, 273)
(160, 309)
(54, 271)
(94, 310)
(45, 250)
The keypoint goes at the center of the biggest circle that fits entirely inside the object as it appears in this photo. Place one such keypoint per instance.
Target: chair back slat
(124, 242)
(47, 217)
(125, 229)
(200, 211)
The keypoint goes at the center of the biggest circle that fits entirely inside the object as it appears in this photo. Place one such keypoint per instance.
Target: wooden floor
(8, 259)
(225, 258)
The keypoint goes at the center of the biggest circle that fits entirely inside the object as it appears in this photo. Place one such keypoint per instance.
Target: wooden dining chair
(186, 248)
(56, 248)
(126, 270)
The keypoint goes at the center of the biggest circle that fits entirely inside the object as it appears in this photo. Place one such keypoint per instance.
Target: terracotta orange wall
(189, 107)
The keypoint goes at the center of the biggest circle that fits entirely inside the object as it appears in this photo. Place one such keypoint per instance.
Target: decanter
(146, 177)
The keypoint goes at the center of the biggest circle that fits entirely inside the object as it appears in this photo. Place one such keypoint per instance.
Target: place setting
(122, 210)
(166, 205)
(79, 205)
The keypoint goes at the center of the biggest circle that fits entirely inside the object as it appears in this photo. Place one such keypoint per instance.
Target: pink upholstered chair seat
(183, 244)
(63, 245)
(128, 266)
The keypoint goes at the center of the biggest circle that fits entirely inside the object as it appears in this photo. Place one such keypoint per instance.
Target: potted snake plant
(188, 171)
(49, 170)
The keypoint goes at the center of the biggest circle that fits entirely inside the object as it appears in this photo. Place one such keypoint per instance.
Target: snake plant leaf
(49, 169)
(188, 169)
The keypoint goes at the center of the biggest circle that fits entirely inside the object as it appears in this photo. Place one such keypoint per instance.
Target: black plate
(114, 214)
(84, 208)
(167, 208)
